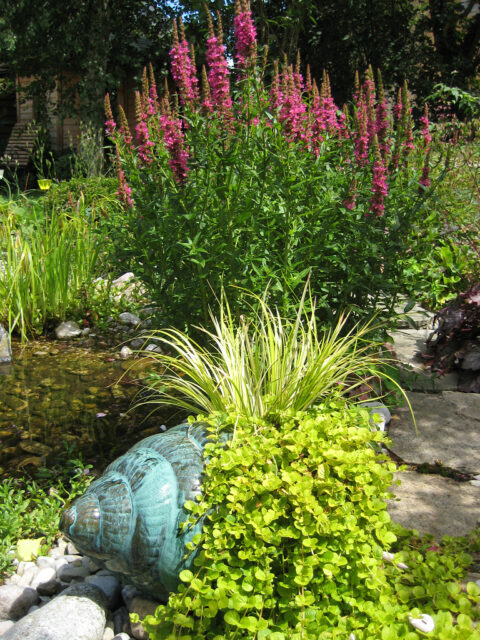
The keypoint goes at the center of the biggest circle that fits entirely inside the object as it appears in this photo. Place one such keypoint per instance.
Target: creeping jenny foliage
(295, 523)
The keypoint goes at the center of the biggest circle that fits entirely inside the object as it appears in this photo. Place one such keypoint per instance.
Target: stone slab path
(448, 435)
(448, 431)
(434, 504)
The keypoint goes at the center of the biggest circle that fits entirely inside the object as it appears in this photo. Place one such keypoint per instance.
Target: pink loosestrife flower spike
(174, 143)
(245, 35)
(379, 185)
(218, 75)
(183, 70)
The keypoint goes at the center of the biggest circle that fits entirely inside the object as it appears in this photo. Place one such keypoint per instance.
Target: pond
(57, 396)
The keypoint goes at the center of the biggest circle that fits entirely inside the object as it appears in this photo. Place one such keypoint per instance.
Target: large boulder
(79, 613)
(16, 600)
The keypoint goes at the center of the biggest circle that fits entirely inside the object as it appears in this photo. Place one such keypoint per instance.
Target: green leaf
(232, 617)
(185, 575)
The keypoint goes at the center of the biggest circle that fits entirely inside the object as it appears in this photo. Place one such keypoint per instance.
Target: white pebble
(475, 483)
(22, 566)
(60, 562)
(109, 633)
(47, 574)
(28, 576)
(44, 562)
(125, 352)
(425, 623)
(75, 559)
(387, 556)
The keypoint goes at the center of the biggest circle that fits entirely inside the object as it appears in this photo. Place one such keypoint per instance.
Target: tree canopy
(101, 41)
(93, 42)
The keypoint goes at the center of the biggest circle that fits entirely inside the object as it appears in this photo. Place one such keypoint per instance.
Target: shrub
(256, 185)
(99, 194)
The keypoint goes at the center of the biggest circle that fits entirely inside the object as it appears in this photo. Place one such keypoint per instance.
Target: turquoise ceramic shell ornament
(128, 520)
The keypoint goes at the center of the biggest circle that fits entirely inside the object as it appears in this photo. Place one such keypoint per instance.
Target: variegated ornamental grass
(264, 363)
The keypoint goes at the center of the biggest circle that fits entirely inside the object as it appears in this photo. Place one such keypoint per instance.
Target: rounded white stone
(28, 575)
(22, 566)
(60, 562)
(125, 352)
(47, 574)
(425, 623)
(109, 633)
(44, 562)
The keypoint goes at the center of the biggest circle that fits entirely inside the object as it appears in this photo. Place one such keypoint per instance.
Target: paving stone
(408, 344)
(444, 434)
(434, 504)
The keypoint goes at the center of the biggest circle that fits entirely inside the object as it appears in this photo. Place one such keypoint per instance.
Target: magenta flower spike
(293, 110)
(174, 143)
(276, 94)
(361, 132)
(425, 177)
(218, 74)
(427, 136)
(245, 35)
(317, 121)
(183, 70)
(379, 184)
(110, 124)
(351, 200)
(124, 191)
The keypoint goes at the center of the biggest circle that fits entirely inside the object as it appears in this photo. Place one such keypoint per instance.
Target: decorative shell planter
(128, 520)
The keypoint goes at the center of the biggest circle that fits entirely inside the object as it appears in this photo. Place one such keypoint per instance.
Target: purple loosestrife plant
(257, 186)
(379, 186)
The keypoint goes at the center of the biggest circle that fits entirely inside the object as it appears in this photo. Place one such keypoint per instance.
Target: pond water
(56, 395)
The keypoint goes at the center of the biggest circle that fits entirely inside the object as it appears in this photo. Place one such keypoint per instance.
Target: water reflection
(56, 393)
